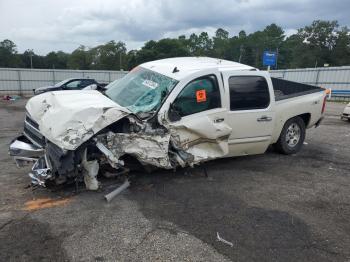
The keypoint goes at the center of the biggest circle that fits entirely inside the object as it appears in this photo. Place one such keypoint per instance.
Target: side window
(74, 84)
(86, 82)
(199, 95)
(248, 92)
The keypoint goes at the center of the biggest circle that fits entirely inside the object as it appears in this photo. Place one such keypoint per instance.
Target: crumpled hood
(70, 118)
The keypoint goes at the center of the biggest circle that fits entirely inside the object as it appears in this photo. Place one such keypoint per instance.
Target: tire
(292, 136)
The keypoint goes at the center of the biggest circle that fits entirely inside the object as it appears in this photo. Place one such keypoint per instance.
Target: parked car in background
(72, 84)
(346, 113)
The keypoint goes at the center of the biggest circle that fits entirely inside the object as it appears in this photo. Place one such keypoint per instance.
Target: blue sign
(269, 58)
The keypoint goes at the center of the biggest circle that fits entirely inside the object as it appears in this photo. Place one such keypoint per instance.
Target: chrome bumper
(24, 153)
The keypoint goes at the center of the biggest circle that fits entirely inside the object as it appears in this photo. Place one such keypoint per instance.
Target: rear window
(248, 93)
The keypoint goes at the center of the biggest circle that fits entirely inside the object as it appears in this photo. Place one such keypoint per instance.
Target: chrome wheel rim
(293, 135)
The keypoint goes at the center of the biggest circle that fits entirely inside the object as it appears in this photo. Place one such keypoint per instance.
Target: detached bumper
(24, 153)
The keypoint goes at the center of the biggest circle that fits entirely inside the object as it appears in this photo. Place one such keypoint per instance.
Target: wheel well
(306, 118)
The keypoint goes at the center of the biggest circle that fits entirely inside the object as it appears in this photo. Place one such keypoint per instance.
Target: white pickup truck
(168, 113)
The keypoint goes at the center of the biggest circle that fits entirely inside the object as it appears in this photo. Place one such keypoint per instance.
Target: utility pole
(31, 60)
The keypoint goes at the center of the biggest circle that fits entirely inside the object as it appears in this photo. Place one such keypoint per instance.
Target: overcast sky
(46, 25)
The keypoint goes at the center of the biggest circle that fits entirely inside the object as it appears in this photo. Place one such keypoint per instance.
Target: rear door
(251, 111)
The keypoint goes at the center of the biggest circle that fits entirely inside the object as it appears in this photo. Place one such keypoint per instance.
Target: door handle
(219, 120)
(264, 119)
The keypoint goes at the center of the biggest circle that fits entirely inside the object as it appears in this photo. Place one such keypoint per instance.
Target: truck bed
(285, 89)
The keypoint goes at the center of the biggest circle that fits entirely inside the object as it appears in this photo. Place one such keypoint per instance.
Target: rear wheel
(292, 136)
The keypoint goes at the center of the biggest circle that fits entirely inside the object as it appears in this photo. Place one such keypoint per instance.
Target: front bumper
(345, 116)
(24, 152)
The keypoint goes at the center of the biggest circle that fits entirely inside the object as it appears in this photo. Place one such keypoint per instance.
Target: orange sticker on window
(201, 95)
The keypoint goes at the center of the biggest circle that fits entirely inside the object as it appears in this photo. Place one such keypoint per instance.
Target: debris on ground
(11, 98)
(223, 240)
(117, 191)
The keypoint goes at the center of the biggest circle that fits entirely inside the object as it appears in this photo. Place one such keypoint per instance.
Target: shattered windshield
(141, 90)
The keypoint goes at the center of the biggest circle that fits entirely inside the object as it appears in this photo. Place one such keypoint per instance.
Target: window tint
(86, 82)
(248, 92)
(199, 95)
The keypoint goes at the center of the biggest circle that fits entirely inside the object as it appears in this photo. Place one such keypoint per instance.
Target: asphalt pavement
(271, 207)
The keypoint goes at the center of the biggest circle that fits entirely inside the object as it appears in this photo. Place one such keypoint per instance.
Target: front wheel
(292, 136)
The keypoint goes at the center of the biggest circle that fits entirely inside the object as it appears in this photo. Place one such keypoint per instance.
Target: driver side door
(197, 119)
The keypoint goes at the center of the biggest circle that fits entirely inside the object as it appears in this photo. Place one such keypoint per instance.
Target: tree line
(322, 42)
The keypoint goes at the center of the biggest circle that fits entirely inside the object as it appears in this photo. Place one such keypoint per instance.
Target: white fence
(336, 78)
(22, 81)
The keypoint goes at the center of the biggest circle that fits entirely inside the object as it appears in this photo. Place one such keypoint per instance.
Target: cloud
(45, 25)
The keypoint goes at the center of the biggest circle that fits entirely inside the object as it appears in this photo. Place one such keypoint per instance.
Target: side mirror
(173, 114)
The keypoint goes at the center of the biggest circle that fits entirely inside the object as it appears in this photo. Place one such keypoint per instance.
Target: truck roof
(189, 65)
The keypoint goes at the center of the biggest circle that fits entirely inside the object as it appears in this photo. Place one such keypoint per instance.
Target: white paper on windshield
(150, 84)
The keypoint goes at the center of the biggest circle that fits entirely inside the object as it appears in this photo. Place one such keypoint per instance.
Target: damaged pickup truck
(168, 113)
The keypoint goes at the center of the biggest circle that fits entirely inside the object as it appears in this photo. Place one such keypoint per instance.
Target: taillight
(324, 104)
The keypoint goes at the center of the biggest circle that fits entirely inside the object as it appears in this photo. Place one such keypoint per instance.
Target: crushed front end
(50, 163)
(29, 148)
(107, 152)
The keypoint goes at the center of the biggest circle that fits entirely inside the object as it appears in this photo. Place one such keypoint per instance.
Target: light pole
(120, 61)
(240, 53)
(31, 61)
(31, 54)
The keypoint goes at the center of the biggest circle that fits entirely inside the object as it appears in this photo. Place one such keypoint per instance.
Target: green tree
(221, 44)
(8, 54)
(340, 54)
(29, 59)
(164, 48)
(313, 45)
(320, 39)
(56, 60)
(80, 59)
(110, 56)
(131, 59)
(200, 45)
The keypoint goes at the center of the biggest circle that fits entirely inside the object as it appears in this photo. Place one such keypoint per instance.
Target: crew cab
(168, 113)
(71, 84)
